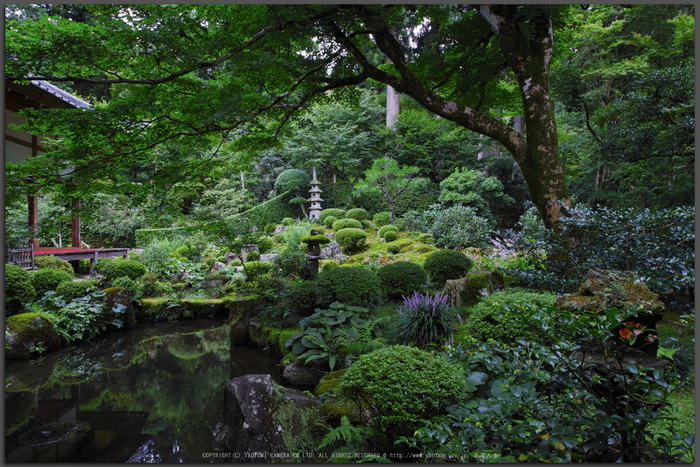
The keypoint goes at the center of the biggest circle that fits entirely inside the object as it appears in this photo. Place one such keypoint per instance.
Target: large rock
(27, 331)
(604, 289)
(331, 251)
(118, 305)
(279, 229)
(468, 290)
(269, 257)
(298, 373)
(264, 422)
(240, 313)
(247, 249)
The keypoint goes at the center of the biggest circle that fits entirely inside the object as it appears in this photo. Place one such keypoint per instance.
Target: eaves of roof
(61, 94)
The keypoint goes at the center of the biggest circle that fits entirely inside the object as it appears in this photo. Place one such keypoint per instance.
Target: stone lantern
(315, 209)
(313, 242)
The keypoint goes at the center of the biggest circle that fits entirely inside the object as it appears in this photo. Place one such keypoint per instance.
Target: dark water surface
(151, 394)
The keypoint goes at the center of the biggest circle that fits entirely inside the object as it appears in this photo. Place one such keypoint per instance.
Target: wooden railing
(21, 255)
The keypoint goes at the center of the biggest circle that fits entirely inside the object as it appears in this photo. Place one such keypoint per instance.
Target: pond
(150, 394)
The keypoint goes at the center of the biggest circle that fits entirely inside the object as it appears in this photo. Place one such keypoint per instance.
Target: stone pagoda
(315, 209)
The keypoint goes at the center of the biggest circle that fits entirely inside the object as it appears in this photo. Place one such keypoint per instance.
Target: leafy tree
(179, 72)
(471, 188)
(386, 177)
(297, 181)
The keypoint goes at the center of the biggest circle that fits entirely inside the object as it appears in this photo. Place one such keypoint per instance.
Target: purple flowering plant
(424, 319)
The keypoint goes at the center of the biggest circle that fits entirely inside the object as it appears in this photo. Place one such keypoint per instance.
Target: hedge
(272, 211)
(340, 195)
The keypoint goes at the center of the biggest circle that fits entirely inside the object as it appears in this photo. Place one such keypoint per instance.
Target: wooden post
(34, 219)
(75, 232)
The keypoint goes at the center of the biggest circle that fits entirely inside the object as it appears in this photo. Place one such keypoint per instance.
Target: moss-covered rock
(477, 284)
(115, 297)
(240, 312)
(336, 406)
(25, 332)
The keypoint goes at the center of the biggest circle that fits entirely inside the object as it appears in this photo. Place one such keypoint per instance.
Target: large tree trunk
(529, 58)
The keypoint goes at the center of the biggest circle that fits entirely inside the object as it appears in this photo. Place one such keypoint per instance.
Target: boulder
(26, 331)
(279, 229)
(468, 290)
(264, 422)
(216, 266)
(247, 248)
(330, 234)
(297, 373)
(230, 256)
(335, 405)
(331, 251)
(118, 305)
(269, 257)
(240, 313)
(605, 289)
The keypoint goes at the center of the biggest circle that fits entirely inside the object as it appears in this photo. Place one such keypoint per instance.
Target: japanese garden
(349, 233)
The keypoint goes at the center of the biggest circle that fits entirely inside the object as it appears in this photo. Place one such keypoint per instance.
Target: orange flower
(625, 333)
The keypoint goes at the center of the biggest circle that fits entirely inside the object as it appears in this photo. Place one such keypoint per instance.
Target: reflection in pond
(151, 394)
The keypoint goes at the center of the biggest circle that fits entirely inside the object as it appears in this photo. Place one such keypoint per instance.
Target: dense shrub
(292, 180)
(155, 258)
(460, 226)
(351, 240)
(390, 236)
(18, 289)
(400, 386)
(252, 256)
(183, 252)
(113, 268)
(46, 280)
(401, 278)
(426, 238)
(150, 287)
(300, 299)
(355, 286)
(254, 269)
(335, 212)
(425, 319)
(145, 237)
(328, 222)
(502, 321)
(293, 263)
(70, 290)
(447, 265)
(358, 214)
(46, 261)
(386, 228)
(381, 218)
(292, 236)
(347, 224)
(287, 221)
(265, 243)
(394, 249)
(270, 211)
(129, 284)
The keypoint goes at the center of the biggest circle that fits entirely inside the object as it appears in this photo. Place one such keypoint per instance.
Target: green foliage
(386, 228)
(265, 243)
(109, 220)
(270, 211)
(182, 194)
(315, 238)
(357, 214)
(426, 238)
(46, 280)
(568, 411)
(113, 268)
(471, 188)
(402, 278)
(354, 286)
(447, 265)
(287, 221)
(129, 284)
(399, 386)
(82, 318)
(351, 240)
(454, 227)
(293, 263)
(328, 222)
(299, 299)
(393, 249)
(223, 200)
(156, 259)
(424, 319)
(70, 290)
(252, 256)
(150, 286)
(390, 236)
(381, 218)
(294, 180)
(335, 212)
(19, 290)
(254, 269)
(145, 237)
(292, 236)
(346, 224)
(47, 261)
(183, 252)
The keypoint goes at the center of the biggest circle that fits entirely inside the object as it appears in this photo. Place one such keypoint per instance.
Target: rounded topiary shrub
(287, 221)
(18, 289)
(251, 256)
(255, 269)
(347, 224)
(400, 386)
(386, 228)
(504, 321)
(113, 268)
(328, 222)
(46, 280)
(335, 212)
(183, 252)
(402, 278)
(358, 214)
(351, 240)
(390, 236)
(46, 261)
(354, 286)
(381, 218)
(292, 179)
(447, 265)
(129, 284)
(264, 243)
(300, 299)
(394, 249)
(70, 290)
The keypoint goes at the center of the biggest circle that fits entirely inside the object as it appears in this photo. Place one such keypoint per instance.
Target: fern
(345, 431)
